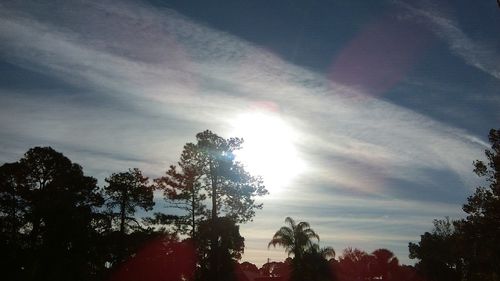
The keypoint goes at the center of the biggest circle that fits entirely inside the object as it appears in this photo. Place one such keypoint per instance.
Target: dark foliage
(183, 189)
(57, 224)
(228, 250)
(159, 259)
(125, 193)
(49, 218)
(468, 249)
(208, 170)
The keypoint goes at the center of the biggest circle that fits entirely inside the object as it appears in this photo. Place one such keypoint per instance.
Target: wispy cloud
(167, 77)
(479, 54)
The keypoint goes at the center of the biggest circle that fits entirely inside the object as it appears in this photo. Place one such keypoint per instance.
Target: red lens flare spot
(160, 260)
(380, 55)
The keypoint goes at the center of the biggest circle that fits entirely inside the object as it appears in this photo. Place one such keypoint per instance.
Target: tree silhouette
(230, 188)
(325, 252)
(384, 264)
(481, 228)
(126, 192)
(468, 249)
(248, 266)
(58, 206)
(297, 239)
(274, 269)
(183, 189)
(210, 165)
(14, 210)
(354, 264)
(316, 263)
(438, 252)
(228, 250)
(54, 227)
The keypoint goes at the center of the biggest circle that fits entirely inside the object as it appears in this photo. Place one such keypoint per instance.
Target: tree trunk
(121, 251)
(213, 241)
(193, 210)
(122, 217)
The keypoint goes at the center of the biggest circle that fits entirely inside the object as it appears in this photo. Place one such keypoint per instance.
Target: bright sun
(268, 148)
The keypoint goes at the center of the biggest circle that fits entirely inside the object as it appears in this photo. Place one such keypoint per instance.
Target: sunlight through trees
(58, 224)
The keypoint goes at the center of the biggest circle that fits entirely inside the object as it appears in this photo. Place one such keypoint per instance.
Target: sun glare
(268, 149)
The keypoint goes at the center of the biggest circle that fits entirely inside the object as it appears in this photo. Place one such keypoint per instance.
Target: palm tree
(325, 252)
(384, 263)
(316, 264)
(295, 238)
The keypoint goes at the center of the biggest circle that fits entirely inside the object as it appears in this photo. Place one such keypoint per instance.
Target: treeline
(352, 265)
(58, 224)
(311, 262)
(467, 249)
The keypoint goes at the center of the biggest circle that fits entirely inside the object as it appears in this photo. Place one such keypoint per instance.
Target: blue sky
(388, 102)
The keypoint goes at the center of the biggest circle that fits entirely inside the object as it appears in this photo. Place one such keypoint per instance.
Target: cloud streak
(477, 54)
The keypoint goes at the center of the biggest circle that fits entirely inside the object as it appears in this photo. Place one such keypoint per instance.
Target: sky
(363, 117)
